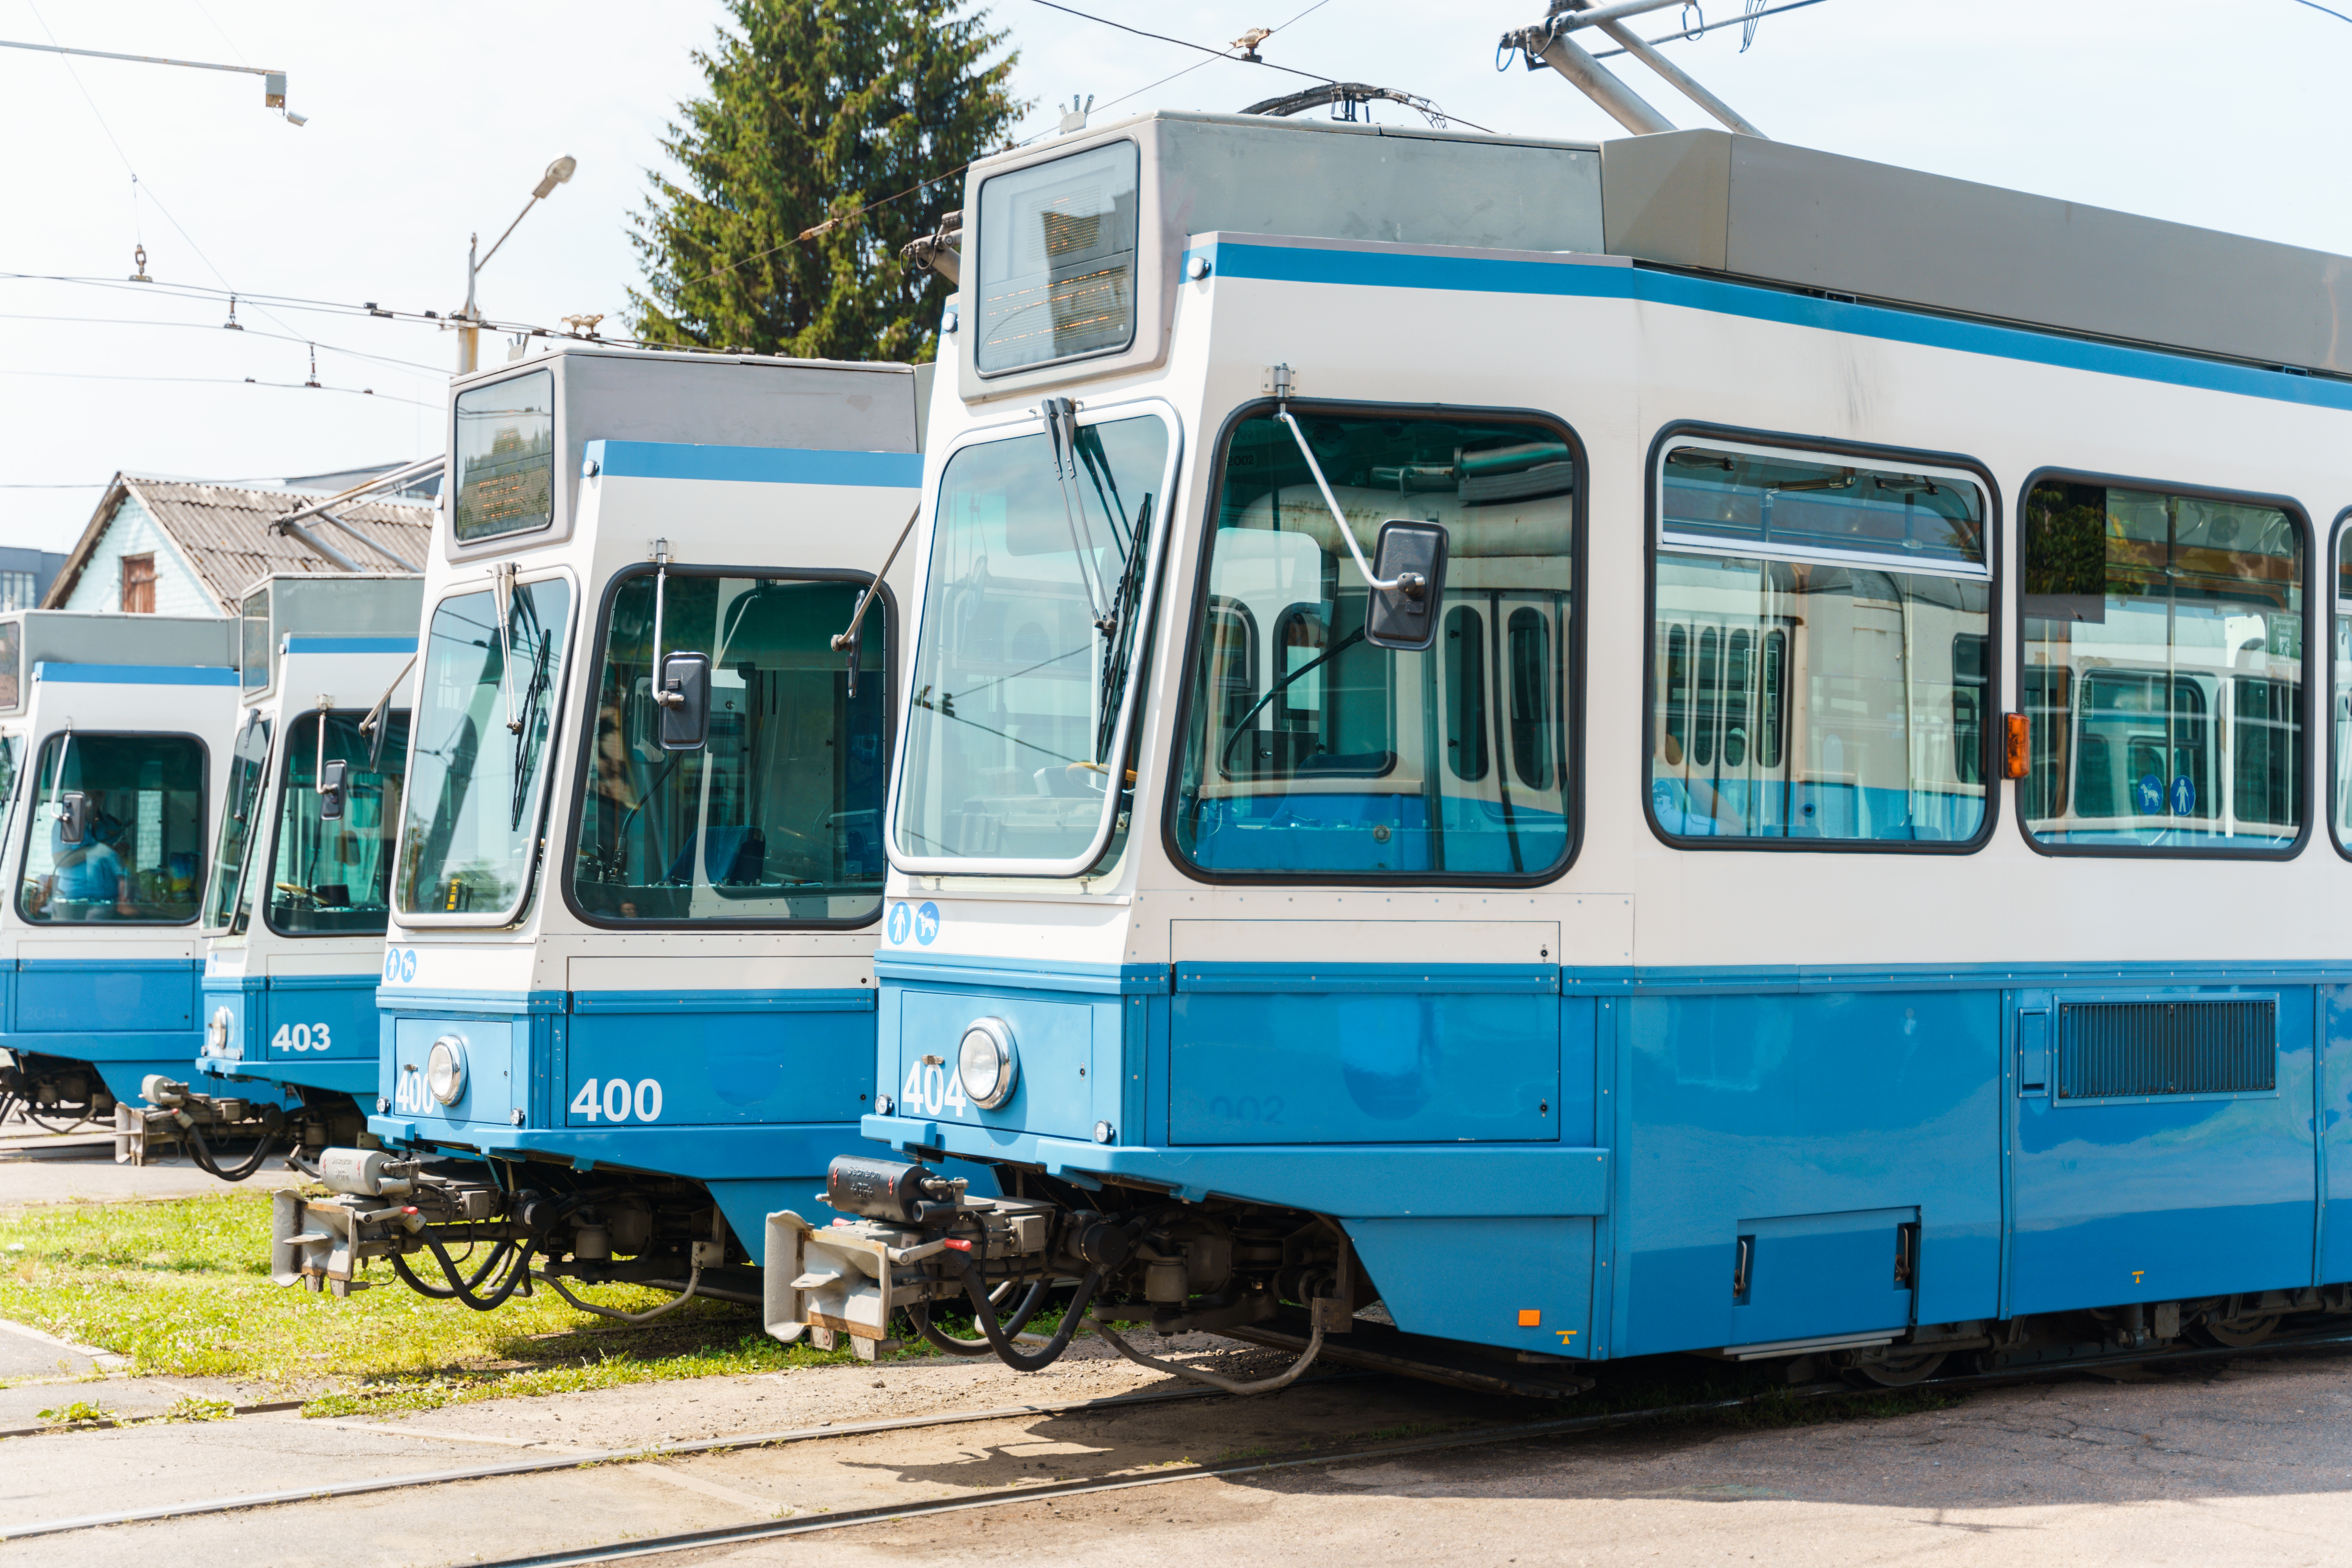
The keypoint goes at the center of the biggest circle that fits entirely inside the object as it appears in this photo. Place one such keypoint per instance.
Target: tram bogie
(1216, 921)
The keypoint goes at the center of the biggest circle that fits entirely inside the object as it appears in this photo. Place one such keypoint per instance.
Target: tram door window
(778, 816)
(2342, 782)
(2163, 669)
(1350, 760)
(1818, 662)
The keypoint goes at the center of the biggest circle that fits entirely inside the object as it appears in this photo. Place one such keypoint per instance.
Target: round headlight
(984, 1063)
(217, 1032)
(444, 1070)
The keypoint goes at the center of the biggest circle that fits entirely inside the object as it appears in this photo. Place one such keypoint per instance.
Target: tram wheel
(1901, 1371)
(2238, 1334)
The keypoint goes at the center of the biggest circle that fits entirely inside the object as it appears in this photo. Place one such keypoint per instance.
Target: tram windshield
(227, 905)
(332, 877)
(1033, 607)
(142, 852)
(777, 817)
(485, 706)
(1309, 751)
(2162, 671)
(1816, 649)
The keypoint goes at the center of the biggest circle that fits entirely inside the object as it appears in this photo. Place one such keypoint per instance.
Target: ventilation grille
(2110, 1050)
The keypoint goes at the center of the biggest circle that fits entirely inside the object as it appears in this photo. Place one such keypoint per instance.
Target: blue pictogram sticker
(927, 923)
(900, 919)
(2184, 797)
(2151, 796)
(399, 965)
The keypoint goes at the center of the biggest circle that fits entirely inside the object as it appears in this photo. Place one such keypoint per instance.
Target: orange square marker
(1529, 1317)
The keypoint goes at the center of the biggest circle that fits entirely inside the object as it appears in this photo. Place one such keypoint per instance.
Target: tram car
(1526, 754)
(110, 729)
(627, 1001)
(300, 884)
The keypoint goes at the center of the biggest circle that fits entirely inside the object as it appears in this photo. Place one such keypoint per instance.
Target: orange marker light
(2018, 760)
(1529, 1317)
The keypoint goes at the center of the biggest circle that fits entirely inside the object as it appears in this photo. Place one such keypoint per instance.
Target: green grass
(183, 1289)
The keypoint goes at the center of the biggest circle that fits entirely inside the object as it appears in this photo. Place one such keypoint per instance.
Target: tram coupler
(381, 1209)
(910, 1239)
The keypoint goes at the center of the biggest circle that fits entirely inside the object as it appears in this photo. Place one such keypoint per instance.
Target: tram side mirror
(73, 816)
(332, 777)
(1413, 555)
(685, 699)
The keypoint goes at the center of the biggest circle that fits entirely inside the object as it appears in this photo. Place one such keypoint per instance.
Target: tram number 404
(302, 1037)
(932, 1087)
(614, 1100)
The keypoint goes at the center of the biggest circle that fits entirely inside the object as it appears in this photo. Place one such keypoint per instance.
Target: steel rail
(726, 1535)
(577, 1459)
(769, 1530)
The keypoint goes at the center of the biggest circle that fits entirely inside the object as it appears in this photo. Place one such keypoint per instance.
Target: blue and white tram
(1602, 936)
(112, 770)
(305, 835)
(627, 1001)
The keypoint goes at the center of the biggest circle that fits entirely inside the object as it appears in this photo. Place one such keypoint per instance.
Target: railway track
(1482, 1436)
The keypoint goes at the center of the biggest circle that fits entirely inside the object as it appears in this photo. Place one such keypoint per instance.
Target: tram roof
(1766, 212)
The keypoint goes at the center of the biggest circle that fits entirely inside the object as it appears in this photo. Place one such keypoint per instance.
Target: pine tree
(819, 110)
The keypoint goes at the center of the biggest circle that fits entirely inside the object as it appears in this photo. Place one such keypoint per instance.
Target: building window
(138, 585)
(16, 591)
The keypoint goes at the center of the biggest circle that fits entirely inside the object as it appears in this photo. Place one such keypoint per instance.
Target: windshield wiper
(1119, 647)
(531, 696)
(376, 724)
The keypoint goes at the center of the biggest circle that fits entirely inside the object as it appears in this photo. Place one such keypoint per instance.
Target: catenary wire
(1187, 43)
(1730, 22)
(2317, 7)
(201, 327)
(217, 381)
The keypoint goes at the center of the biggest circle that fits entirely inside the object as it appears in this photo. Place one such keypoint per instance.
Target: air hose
(920, 1312)
(442, 1293)
(464, 1290)
(202, 1153)
(1230, 1385)
(984, 1313)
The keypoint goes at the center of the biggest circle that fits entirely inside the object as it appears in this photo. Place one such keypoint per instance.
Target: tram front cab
(295, 904)
(113, 745)
(626, 1005)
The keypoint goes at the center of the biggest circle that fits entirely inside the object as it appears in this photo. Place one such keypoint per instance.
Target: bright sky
(431, 120)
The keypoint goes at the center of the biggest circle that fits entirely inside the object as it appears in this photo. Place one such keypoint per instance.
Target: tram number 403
(302, 1037)
(614, 1099)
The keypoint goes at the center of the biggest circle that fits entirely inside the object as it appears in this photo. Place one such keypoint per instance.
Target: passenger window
(778, 817)
(1531, 697)
(1465, 693)
(2163, 669)
(1818, 648)
(332, 877)
(1358, 761)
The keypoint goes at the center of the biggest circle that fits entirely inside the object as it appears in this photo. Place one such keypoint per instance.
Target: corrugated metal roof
(224, 531)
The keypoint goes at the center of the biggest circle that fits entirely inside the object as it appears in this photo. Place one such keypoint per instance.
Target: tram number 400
(614, 1099)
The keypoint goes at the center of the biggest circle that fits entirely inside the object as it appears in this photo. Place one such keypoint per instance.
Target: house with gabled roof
(173, 547)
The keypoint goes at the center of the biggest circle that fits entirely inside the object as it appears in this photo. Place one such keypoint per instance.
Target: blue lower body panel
(314, 1032)
(126, 1017)
(1670, 1161)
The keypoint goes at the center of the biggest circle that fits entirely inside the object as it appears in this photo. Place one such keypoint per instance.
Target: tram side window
(779, 816)
(1349, 760)
(2163, 669)
(1817, 649)
(332, 876)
